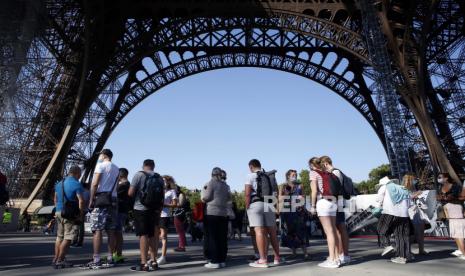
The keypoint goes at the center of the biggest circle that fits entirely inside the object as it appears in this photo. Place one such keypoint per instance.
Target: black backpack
(266, 184)
(347, 185)
(152, 195)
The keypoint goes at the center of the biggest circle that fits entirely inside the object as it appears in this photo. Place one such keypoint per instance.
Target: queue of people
(157, 201)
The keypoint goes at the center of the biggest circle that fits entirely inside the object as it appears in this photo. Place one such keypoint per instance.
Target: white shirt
(398, 210)
(109, 173)
(170, 195)
(251, 180)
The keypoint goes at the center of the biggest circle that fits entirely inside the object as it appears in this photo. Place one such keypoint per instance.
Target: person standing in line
(180, 213)
(104, 205)
(26, 220)
(326, 208)
(146, 220)
(216, 194)
(171, 201)
(409, 182)
(293, 220)
(70, 189)
(261, 217)
(394, 200)
(342, 234)
(125, 204)
(451, 196)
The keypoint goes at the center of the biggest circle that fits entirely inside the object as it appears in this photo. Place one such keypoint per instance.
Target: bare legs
(329, 226)
(261, 237)
(342, 239)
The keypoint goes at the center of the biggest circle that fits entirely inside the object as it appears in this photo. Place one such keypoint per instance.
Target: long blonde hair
(407, 182)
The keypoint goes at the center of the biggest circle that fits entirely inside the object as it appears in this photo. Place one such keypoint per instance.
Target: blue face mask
(99, 161)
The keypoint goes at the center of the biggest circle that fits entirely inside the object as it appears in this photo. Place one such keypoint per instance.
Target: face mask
(441, 180)
(292, 178)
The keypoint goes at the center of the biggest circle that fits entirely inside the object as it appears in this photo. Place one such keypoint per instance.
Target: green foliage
(369, 186)
(194, 196)
(239, 198)
(304, 177)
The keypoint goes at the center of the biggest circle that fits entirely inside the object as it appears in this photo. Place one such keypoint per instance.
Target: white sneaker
(212, 265)
(399, 260)
(259, 264)
(387, 250)
(329, 264)
(457, 253)
(344, 259)
(161, 260)
(462, 257)
(277, 262)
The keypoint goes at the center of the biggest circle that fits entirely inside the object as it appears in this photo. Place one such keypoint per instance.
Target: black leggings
(398, 226)
(216, 238)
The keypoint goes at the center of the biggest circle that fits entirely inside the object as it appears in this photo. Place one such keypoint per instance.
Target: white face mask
(292, 178)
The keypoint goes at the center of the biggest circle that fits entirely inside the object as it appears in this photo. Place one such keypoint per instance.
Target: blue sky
(227, 117)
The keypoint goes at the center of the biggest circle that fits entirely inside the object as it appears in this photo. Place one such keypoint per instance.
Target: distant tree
(304, 178)
(369, 186)
(239, 198)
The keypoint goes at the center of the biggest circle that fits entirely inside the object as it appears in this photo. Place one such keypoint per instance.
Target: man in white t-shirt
(261, 218)
(104, 216)
(342, 235)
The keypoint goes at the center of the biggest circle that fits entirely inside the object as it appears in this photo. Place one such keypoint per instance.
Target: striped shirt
(314, 176)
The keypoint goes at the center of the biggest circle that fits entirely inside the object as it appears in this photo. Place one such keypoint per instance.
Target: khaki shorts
(65, 229)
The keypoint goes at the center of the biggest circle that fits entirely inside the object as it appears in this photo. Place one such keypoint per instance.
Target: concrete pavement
(31, 254)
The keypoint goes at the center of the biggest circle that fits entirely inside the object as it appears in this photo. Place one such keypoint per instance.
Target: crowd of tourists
(156, 201)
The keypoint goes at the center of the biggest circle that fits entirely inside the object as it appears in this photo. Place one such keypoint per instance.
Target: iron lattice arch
(331, 55)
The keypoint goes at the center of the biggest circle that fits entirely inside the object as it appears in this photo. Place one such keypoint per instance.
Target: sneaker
(462, 257)
(399, 260)
(222, 265)
(109, 263)
(344, 259)
(329, 264)
(118, 259)
(212, 265)
(277, 262)
(259, 264)
(63, 264)
(457, 253)
(161, 260)
(93, 265)
(387, 250)
(179, 249)
(140, 268)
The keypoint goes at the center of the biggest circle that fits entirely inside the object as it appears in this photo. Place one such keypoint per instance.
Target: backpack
(331, 184)
(347, 185)
(266, 184)
(152, 195)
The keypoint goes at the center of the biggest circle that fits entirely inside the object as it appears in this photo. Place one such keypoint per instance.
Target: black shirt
(124, 201)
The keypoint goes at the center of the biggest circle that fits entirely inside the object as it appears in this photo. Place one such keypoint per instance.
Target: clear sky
(227, 117)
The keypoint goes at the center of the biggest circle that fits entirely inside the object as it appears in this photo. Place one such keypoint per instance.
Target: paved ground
(29, 254)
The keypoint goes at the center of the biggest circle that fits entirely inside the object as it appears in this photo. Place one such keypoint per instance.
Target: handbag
(70, 209)
(105, 199)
